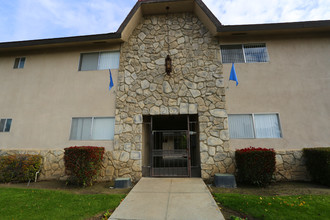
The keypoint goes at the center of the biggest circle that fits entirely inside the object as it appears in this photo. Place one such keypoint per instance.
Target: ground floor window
(92, 128)
(254, 126)
(5, 124)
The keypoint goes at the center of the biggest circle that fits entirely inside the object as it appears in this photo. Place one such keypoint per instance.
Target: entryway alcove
(170, 146)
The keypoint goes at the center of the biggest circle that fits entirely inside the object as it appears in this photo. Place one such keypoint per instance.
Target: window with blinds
(254, 126)
(99, 61)
(92, 128)
(244, 53)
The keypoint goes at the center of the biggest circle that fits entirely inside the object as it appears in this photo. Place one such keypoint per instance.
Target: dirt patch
(227, 213)
(97, 188)
(279, 188)
(97, 217)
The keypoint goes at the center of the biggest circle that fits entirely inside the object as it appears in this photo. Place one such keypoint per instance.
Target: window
(19, 63)
(254, 126)
(99, 61)
(244, 53)
(5, 125)
(91, 128)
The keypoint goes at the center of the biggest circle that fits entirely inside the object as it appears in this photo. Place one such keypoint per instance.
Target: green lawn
(278, 207)
(51, 204)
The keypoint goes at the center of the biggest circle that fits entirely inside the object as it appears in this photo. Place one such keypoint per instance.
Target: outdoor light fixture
(168, 60)
(168, 65)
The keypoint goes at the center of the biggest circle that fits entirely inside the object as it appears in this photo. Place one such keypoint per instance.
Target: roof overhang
(157, 7)
(141, 8)
(87, 40)
(273, 29)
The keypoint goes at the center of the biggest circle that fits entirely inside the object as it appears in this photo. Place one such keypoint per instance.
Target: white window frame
(19, 62)
(5, 124)
(254, 124)
(98, 59)
(244, 53)
(91, 128)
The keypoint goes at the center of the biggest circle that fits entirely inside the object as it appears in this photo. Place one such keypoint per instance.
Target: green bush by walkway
(19, 167)
(255, 165)
(278, 207)
(83, 164)
(318, 164)
(50, 204)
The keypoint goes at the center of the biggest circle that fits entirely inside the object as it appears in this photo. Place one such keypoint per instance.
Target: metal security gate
(170, 153)
(172, 142)
(170, 146)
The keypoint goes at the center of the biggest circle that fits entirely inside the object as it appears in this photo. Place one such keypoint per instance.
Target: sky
(41, 19)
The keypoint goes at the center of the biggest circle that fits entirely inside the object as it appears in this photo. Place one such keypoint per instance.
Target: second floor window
(99, 61)
(244, 53)
(19, 63)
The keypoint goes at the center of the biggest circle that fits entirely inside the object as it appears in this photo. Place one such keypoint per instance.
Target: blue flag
(111, 82)
(233, 75)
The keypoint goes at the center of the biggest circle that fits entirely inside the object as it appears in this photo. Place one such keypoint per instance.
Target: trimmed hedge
(19, 167)
(83, 164)
(255, 165)
(318, 164)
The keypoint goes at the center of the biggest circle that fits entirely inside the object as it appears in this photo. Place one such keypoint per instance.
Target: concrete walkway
(168, 198)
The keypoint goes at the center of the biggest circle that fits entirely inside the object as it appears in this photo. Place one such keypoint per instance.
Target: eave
(289, 28)
(87, 40)
(148, 7)
(158, 7)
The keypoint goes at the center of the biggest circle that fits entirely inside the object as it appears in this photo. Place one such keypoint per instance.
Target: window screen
(267, 126)
(81, 129)
(103, 128)
(109, 59)
(244, 53)
(89, 61)
(232, 54)
(241, 126)
(255, 53)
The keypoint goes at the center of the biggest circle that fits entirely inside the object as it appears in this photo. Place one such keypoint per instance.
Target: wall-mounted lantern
(168, 60)
(168, 65)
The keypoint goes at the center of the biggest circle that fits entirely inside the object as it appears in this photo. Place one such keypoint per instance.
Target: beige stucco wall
(295, 83)
(43, 97)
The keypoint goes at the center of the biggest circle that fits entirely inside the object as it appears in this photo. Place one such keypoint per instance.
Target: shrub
(318, 164)
(83, 164)
(19, 167)
(255, 165)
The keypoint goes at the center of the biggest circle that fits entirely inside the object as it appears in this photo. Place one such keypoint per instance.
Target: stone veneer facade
(290, 165)
(194, 87)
